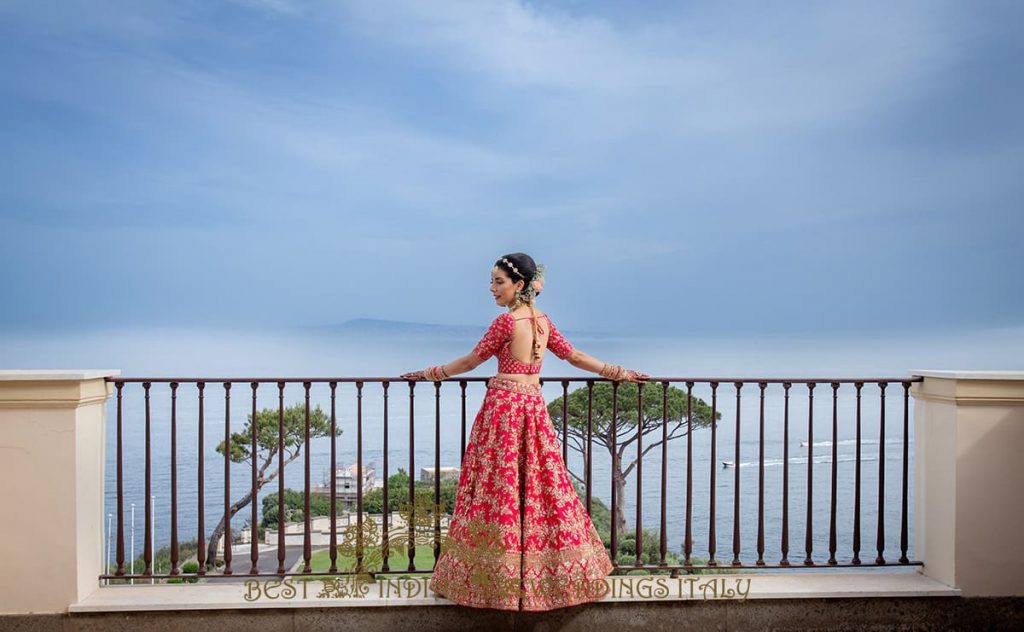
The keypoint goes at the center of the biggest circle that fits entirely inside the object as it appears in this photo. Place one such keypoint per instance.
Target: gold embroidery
(514, 386)
(520, 538)
(496, 577)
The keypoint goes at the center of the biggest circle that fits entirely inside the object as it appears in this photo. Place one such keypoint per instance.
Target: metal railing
(686, 502)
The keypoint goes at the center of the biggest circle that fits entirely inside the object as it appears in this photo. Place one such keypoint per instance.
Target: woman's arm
(566, 351)
(587, 362)
(464, 364)
(496, 335)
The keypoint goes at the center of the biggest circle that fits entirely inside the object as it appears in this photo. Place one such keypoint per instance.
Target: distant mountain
(401, 327)
(377, 327)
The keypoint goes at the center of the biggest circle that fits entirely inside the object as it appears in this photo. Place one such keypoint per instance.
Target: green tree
(294, 507)
(629, 427)
(398, 494)
(373, 500)
(265, 427)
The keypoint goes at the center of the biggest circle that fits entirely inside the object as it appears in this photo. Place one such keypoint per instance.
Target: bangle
(435, 373)
(613, 372)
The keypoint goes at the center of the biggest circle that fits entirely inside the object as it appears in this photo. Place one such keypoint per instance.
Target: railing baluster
(856, 484)
(437, 471)
(307, 544)
(880, 543)
(333, 481)
(663, 524)
(590, 441)
(835, 474)
(281, 553)
(226, 538)
(639, 473)
(808, 526)
(612, 433)
(906, 459)
(565, 421)
(411, 517)
(201, 529)
(147, 547)
(254, 548)
(785, 475)
(174, 480)
(760, 477)
(120, 481)
(688, 539)
(736, 485)
(385, 539)
(711, 486)
(462, 447)
(359, 476)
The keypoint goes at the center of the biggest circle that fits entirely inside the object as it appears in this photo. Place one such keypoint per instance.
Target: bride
(519, 537)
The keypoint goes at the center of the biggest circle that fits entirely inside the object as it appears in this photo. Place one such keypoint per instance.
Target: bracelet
(435, 373)
(613, 372)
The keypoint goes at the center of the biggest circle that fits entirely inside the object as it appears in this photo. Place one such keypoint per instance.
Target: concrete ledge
(623, 589)
(921, 614)
(972, 375)
(40, 375)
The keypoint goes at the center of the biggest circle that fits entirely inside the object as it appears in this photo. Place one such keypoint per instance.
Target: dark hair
(527, 270)
(523, 262)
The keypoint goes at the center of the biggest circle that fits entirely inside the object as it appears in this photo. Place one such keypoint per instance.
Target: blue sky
(679, 167)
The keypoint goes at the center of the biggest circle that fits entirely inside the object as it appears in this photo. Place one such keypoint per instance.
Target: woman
(519, 538)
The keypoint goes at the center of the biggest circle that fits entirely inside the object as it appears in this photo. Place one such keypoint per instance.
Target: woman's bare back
(521, 344)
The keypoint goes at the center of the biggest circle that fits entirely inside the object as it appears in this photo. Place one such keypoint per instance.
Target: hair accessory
(530, 291)
(511, 265)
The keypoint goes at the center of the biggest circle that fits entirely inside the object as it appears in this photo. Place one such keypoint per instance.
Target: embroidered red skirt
(519, 538)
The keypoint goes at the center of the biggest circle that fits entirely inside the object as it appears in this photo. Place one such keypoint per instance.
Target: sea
(382, 349)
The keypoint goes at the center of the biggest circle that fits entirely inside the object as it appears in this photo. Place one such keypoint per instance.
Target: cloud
(717, 69)
(716, 145)
(285, 7)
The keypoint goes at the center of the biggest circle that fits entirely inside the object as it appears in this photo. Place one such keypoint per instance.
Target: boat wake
(803, 444)
(824, 458)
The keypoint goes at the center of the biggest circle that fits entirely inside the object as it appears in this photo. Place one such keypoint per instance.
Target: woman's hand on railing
(635, 376)
(413, 375)
(618, 373)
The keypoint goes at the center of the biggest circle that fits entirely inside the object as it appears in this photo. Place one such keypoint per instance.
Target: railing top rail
(350, 379)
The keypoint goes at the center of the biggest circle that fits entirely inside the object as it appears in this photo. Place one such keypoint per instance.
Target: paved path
(267, 563)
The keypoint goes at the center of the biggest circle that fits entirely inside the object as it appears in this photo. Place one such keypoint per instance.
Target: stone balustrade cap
(972, 375)
(37, 375)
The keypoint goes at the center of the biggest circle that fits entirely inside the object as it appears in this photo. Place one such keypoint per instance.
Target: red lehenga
(519, 538)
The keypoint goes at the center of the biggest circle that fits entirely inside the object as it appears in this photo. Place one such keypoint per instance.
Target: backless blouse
(498, 340)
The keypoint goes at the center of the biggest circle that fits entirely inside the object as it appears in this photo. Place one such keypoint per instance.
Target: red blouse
(498, 339)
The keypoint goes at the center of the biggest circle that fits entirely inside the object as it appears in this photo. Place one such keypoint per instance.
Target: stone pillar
(969, 479)
(52, 429)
